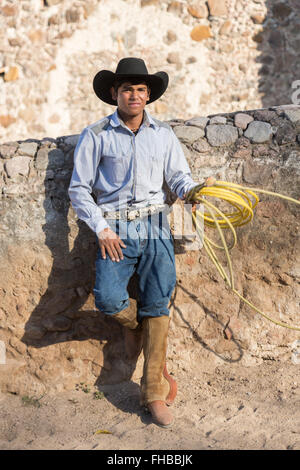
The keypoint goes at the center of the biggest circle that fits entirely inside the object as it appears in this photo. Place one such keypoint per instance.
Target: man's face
(131, 99)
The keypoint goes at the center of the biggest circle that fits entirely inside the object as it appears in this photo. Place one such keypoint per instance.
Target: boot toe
(160, 413)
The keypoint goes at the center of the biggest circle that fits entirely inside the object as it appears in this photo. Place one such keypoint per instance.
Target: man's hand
(210, 181)
(111, 244)
(194, 204)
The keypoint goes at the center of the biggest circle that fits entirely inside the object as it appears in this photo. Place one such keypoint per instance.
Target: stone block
(175, 7)
(71, 140)
(219, 135)
(242, 120)
(201, 32)
(49, 159)
(41, 162)
(7, 151)
(17, 166)
(225, 28)
(201, 146)
(218, 120)
(28, 148)
(259, 132)
(252, 172)
(258, 18)
(197, 122)
(242, 142)
(293, 114)
(266, 115)
(198, 10)
(217, 7)
(188, 134)
(12, 74)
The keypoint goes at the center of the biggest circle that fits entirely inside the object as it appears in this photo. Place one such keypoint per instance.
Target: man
(123, 160)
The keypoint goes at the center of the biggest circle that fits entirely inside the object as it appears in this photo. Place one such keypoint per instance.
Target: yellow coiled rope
(243, 200)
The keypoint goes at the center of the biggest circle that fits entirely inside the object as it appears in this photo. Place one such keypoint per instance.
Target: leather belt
(132, 214)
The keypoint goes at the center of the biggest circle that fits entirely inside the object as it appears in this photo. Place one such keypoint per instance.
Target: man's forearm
(86, 208)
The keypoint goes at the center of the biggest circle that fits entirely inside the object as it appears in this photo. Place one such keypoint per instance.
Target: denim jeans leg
(157, 276)
(112, 278)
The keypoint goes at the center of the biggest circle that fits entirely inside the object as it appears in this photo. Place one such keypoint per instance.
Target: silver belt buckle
(131, 215)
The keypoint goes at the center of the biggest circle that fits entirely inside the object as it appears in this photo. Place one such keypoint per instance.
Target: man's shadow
(66, 310)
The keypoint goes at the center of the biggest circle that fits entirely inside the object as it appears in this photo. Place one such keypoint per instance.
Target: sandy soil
(230, 407)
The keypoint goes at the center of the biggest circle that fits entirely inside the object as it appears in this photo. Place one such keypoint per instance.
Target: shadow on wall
(279, 43)
(66, 311)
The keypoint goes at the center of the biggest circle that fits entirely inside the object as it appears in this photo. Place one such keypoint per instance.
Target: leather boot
(158, 388)
(132, 332)
(127, 317)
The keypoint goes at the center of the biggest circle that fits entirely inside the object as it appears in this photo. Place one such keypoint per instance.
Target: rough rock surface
(54, 336)
(221, 135)
(221, 56)
(242, 120)
(259, 132)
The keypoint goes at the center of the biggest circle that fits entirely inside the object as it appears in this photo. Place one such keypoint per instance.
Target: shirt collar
(148, 121)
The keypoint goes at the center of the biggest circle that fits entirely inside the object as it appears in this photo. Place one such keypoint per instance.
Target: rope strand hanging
(243, 200)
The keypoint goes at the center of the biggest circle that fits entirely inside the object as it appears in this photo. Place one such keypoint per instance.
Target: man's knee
(109, 302)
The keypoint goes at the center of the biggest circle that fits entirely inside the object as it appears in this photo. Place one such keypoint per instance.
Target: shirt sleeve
(86, 161)
(177, 171)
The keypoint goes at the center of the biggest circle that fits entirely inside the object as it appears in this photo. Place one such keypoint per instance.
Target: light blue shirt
(124, 170)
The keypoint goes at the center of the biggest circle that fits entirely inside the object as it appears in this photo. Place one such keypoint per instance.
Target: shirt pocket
(113, 168)
(157, 170)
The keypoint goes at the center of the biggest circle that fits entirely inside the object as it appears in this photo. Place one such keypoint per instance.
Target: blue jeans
(150, 253)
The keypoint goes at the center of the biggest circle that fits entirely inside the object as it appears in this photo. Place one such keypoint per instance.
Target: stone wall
(53, 334)
(221, 56)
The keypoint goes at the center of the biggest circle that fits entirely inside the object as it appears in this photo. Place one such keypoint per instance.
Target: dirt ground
(230, 407)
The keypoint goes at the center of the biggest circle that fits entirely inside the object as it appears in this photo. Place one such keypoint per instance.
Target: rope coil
(243, 200)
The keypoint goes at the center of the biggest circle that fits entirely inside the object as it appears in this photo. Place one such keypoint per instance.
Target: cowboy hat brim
(104, 80)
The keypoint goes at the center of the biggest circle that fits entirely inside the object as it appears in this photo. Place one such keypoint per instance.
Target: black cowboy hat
(129, 67)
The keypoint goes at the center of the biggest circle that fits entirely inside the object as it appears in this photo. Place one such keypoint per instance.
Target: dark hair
(132, 80)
